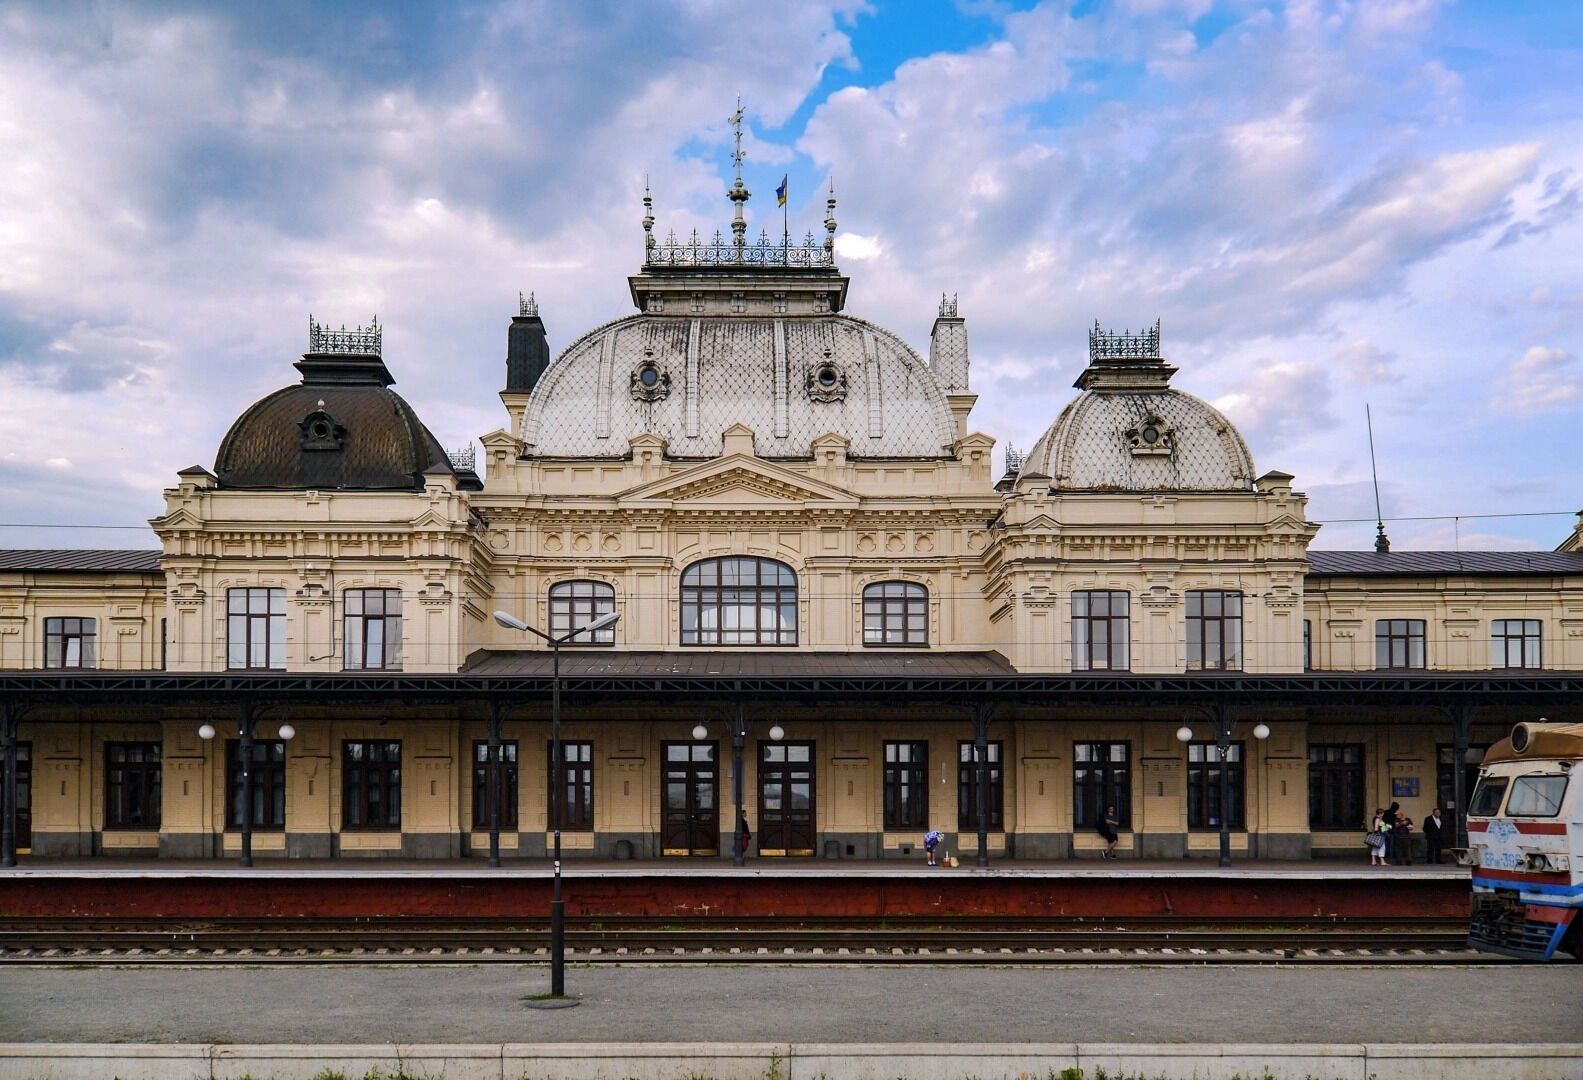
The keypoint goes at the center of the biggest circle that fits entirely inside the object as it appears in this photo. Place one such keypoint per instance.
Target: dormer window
(320, 431)
(1152, 438)
(649, 382)
(826, 382)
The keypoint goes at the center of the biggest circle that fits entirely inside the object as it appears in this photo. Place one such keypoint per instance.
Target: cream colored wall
(840, 524)
(1458, 611)
(1048, 545)
(127, 609)
(316, 545)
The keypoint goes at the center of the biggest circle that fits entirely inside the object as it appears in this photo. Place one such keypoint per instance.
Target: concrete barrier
(767, 1061)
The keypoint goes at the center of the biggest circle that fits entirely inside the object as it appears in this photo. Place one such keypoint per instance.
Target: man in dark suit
(1432, 834)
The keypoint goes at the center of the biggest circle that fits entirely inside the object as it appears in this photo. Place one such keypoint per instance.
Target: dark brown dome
(341, 428)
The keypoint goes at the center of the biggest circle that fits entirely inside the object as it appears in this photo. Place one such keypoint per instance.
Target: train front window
(1536, 796)
(1486, 801)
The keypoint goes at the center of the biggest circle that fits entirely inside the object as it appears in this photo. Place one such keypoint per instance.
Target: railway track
(675, 940)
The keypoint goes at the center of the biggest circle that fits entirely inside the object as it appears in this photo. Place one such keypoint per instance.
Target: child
(931, 840)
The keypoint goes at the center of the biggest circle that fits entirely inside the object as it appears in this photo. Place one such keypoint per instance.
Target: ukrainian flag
(780, 192)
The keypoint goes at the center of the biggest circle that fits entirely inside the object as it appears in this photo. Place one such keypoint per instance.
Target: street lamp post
(557, 905)
(247, 716)
(739, 738)
(1261, 731)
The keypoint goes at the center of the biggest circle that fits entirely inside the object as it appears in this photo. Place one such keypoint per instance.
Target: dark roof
(1444, 562)
(341, 428)
(609, 662)
(107, 561)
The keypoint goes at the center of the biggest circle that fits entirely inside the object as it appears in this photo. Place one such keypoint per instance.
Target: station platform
(463, 889)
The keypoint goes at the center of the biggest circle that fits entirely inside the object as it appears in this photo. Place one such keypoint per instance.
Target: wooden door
(786, 798)
(690, 803)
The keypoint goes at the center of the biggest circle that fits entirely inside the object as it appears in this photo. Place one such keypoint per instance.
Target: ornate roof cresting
(948, 306)
(359, 341)
(1109, 345)
(527, 306)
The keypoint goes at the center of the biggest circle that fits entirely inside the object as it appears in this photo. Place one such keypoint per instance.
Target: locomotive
(1525, 844)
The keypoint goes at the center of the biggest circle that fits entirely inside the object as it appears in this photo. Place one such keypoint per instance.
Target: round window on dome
(1151, 435)
(649, 375)
(827, 376)
(320, 429)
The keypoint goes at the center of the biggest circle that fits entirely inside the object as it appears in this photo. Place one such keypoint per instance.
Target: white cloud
(1543, 378)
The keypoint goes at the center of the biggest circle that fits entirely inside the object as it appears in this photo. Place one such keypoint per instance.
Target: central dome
(791, 378)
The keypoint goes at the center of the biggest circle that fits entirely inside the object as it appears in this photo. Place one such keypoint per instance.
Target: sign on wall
(1404, 787)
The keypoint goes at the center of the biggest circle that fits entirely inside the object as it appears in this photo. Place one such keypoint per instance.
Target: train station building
(831, 609)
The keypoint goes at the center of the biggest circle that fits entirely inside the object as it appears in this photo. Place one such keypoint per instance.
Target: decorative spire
(829, 224)
(948, 306)
(648, 221)
(527, 306)
(739, 193)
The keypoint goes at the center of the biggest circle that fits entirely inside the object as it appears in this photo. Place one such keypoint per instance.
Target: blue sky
(1327, 203)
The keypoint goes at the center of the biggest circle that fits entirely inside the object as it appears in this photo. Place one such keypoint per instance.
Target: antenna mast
(1382, 543)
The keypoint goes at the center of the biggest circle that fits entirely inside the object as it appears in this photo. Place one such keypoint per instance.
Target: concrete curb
(802, 1061)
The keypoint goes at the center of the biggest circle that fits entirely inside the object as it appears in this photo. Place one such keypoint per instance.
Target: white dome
(1102, 442)
(686, 378)
(1129, 431)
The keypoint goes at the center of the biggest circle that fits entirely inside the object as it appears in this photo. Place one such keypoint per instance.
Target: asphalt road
(795, 1004)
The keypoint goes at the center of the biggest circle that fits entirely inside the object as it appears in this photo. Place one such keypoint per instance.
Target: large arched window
(578, 603)
(739, 600)
(896, 613)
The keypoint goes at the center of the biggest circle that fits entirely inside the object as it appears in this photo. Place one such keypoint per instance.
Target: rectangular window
(70, 643)
(1308, 645)
(1101, 631)
(1203, 786)
(1214, 630)
(269, 784)
(255, 630)
(373, 629)
(132, 785)
(906, 785)
(371, 784)
(577, 786)
(508, 785)
(967, 789)
(1514, 643)
(1101, 778)
(1335, 786)
(1536, 796)
(1399, 643)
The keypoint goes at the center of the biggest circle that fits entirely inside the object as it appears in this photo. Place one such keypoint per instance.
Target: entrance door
(786, 798)
(690, 813)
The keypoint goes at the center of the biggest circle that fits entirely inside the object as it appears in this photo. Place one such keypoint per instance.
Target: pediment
(739, 479)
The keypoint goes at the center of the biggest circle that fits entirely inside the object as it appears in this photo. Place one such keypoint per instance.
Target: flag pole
(786, 224)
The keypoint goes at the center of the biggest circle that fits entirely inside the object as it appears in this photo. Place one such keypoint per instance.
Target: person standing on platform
(1393, 851)
(1432, 835)
(744, 837)
(1404, 830)
(931, 840)
(1376, 838)
(1109, 829)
